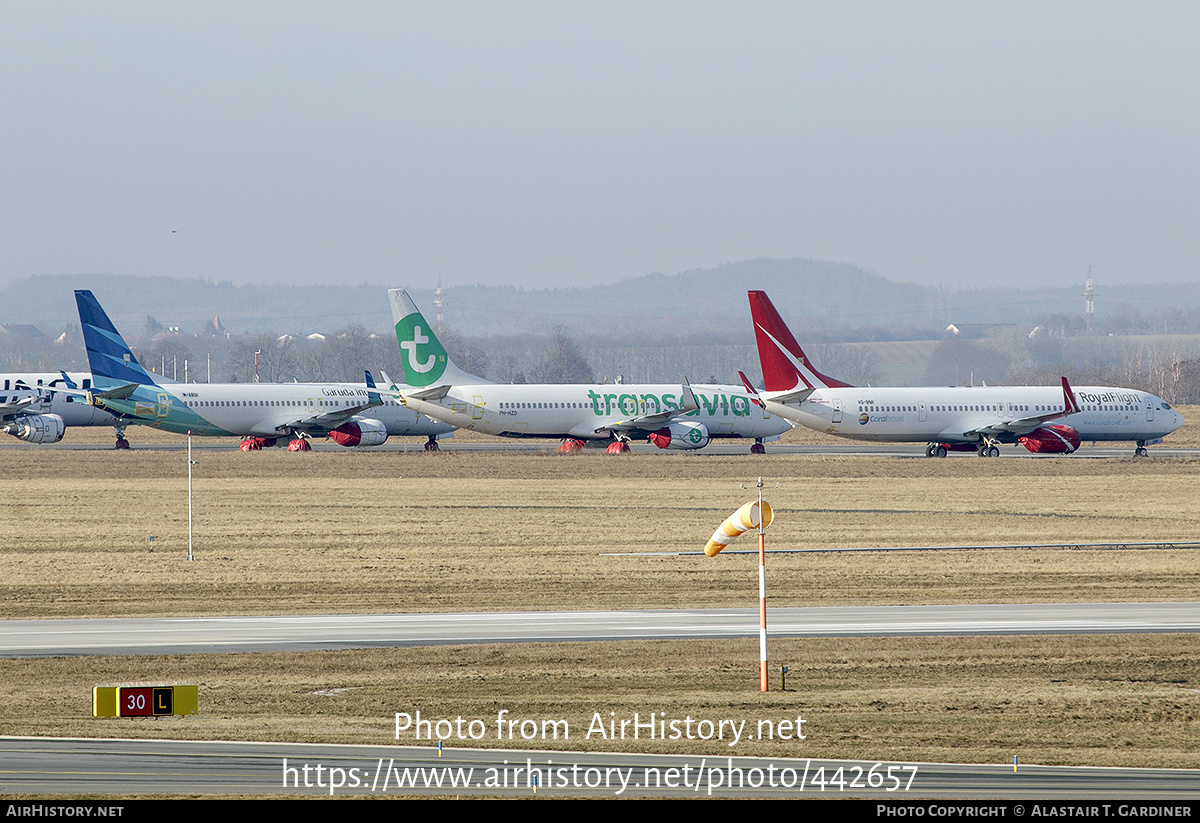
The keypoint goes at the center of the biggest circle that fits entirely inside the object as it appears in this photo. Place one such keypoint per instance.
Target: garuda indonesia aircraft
(670, 416)
(1040, 418)
(31, 409)
(259, 412)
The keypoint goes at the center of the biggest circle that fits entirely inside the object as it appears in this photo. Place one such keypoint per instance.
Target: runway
(715, 448)
(53, 766)
(40, 638)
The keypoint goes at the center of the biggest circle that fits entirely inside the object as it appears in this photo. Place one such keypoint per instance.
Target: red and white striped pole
(762, 598)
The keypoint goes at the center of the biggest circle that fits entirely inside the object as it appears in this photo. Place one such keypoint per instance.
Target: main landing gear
(431, 445)
(985, 450)
(935, 450)
(121, 443)
(1140, 451)
(758, 448)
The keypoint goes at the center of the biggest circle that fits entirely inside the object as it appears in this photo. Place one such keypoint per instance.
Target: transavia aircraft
(669, 416)
(31, 409)
(261, 413)
(1042, 419)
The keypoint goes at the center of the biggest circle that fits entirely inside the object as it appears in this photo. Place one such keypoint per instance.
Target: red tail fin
(784, 365)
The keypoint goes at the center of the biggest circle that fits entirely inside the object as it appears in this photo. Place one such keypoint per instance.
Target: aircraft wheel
(758, 448)
(1141, 452)
(929, 450)
(993, 452)
(122, 443)
(431, 446)
(940, 451)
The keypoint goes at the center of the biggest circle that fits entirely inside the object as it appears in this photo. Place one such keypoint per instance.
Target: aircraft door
(477, 412)
(163, 407)
(922, 411)
(1149, 410)
(837, 410)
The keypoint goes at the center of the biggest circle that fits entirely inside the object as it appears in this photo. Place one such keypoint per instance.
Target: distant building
(976, 331)
(22, 331)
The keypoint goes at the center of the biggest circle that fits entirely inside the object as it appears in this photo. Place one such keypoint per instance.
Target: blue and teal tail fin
(109, 358)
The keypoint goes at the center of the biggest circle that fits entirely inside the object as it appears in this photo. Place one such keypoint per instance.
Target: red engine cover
(1053, 439)
(360, 433)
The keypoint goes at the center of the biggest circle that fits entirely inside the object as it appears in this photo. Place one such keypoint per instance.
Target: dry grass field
(320, 532)
(326, 532)
(1115, 700)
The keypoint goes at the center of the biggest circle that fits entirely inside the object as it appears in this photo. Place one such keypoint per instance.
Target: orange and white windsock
(740, 521)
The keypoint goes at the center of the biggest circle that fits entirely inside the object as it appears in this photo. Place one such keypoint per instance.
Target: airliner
(31, 409)
(1046, 420)
(260, 413)
(675, 417)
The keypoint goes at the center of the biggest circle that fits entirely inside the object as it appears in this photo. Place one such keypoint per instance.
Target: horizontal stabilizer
(430, 395)
(119, 393)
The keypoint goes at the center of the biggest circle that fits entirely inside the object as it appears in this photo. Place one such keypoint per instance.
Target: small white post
(189, 496)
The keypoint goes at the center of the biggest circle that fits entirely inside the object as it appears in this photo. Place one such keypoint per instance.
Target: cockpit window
(1164, 405)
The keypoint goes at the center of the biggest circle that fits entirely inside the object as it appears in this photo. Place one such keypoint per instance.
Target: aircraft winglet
(1070, 404)
(750, 390)
(689, 403)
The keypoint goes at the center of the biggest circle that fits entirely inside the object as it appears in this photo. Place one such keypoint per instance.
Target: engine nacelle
(363, 431)
(681, 435)
(1052, 439)
(37, 428)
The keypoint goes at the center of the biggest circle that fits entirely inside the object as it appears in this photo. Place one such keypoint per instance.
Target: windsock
(740, 521)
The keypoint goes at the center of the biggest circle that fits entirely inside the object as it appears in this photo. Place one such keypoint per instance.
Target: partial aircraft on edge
(671, 416)
(32, 410)
(1043, 419)
(260, 413)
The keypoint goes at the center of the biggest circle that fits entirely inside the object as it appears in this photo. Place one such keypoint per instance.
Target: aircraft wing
(325, 421)
(1024, 425)
(16, 406)
(657, 420)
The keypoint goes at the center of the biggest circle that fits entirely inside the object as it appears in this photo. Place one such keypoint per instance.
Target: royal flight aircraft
(1042, 419)
(32, 410)
(679, 417)
(260, 413)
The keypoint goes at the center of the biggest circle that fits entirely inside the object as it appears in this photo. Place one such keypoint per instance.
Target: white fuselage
(583, 411)
(951, 414)
(269, 409)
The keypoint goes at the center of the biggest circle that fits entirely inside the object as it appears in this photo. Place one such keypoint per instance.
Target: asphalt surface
(183, 635)
(51, 766)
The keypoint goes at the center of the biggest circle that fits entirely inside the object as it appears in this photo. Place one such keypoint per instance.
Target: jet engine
(362, 431)
(37, 428)
(1052, 439)
(681, 435)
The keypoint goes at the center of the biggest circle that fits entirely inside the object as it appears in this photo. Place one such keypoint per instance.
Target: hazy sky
(564, 143)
